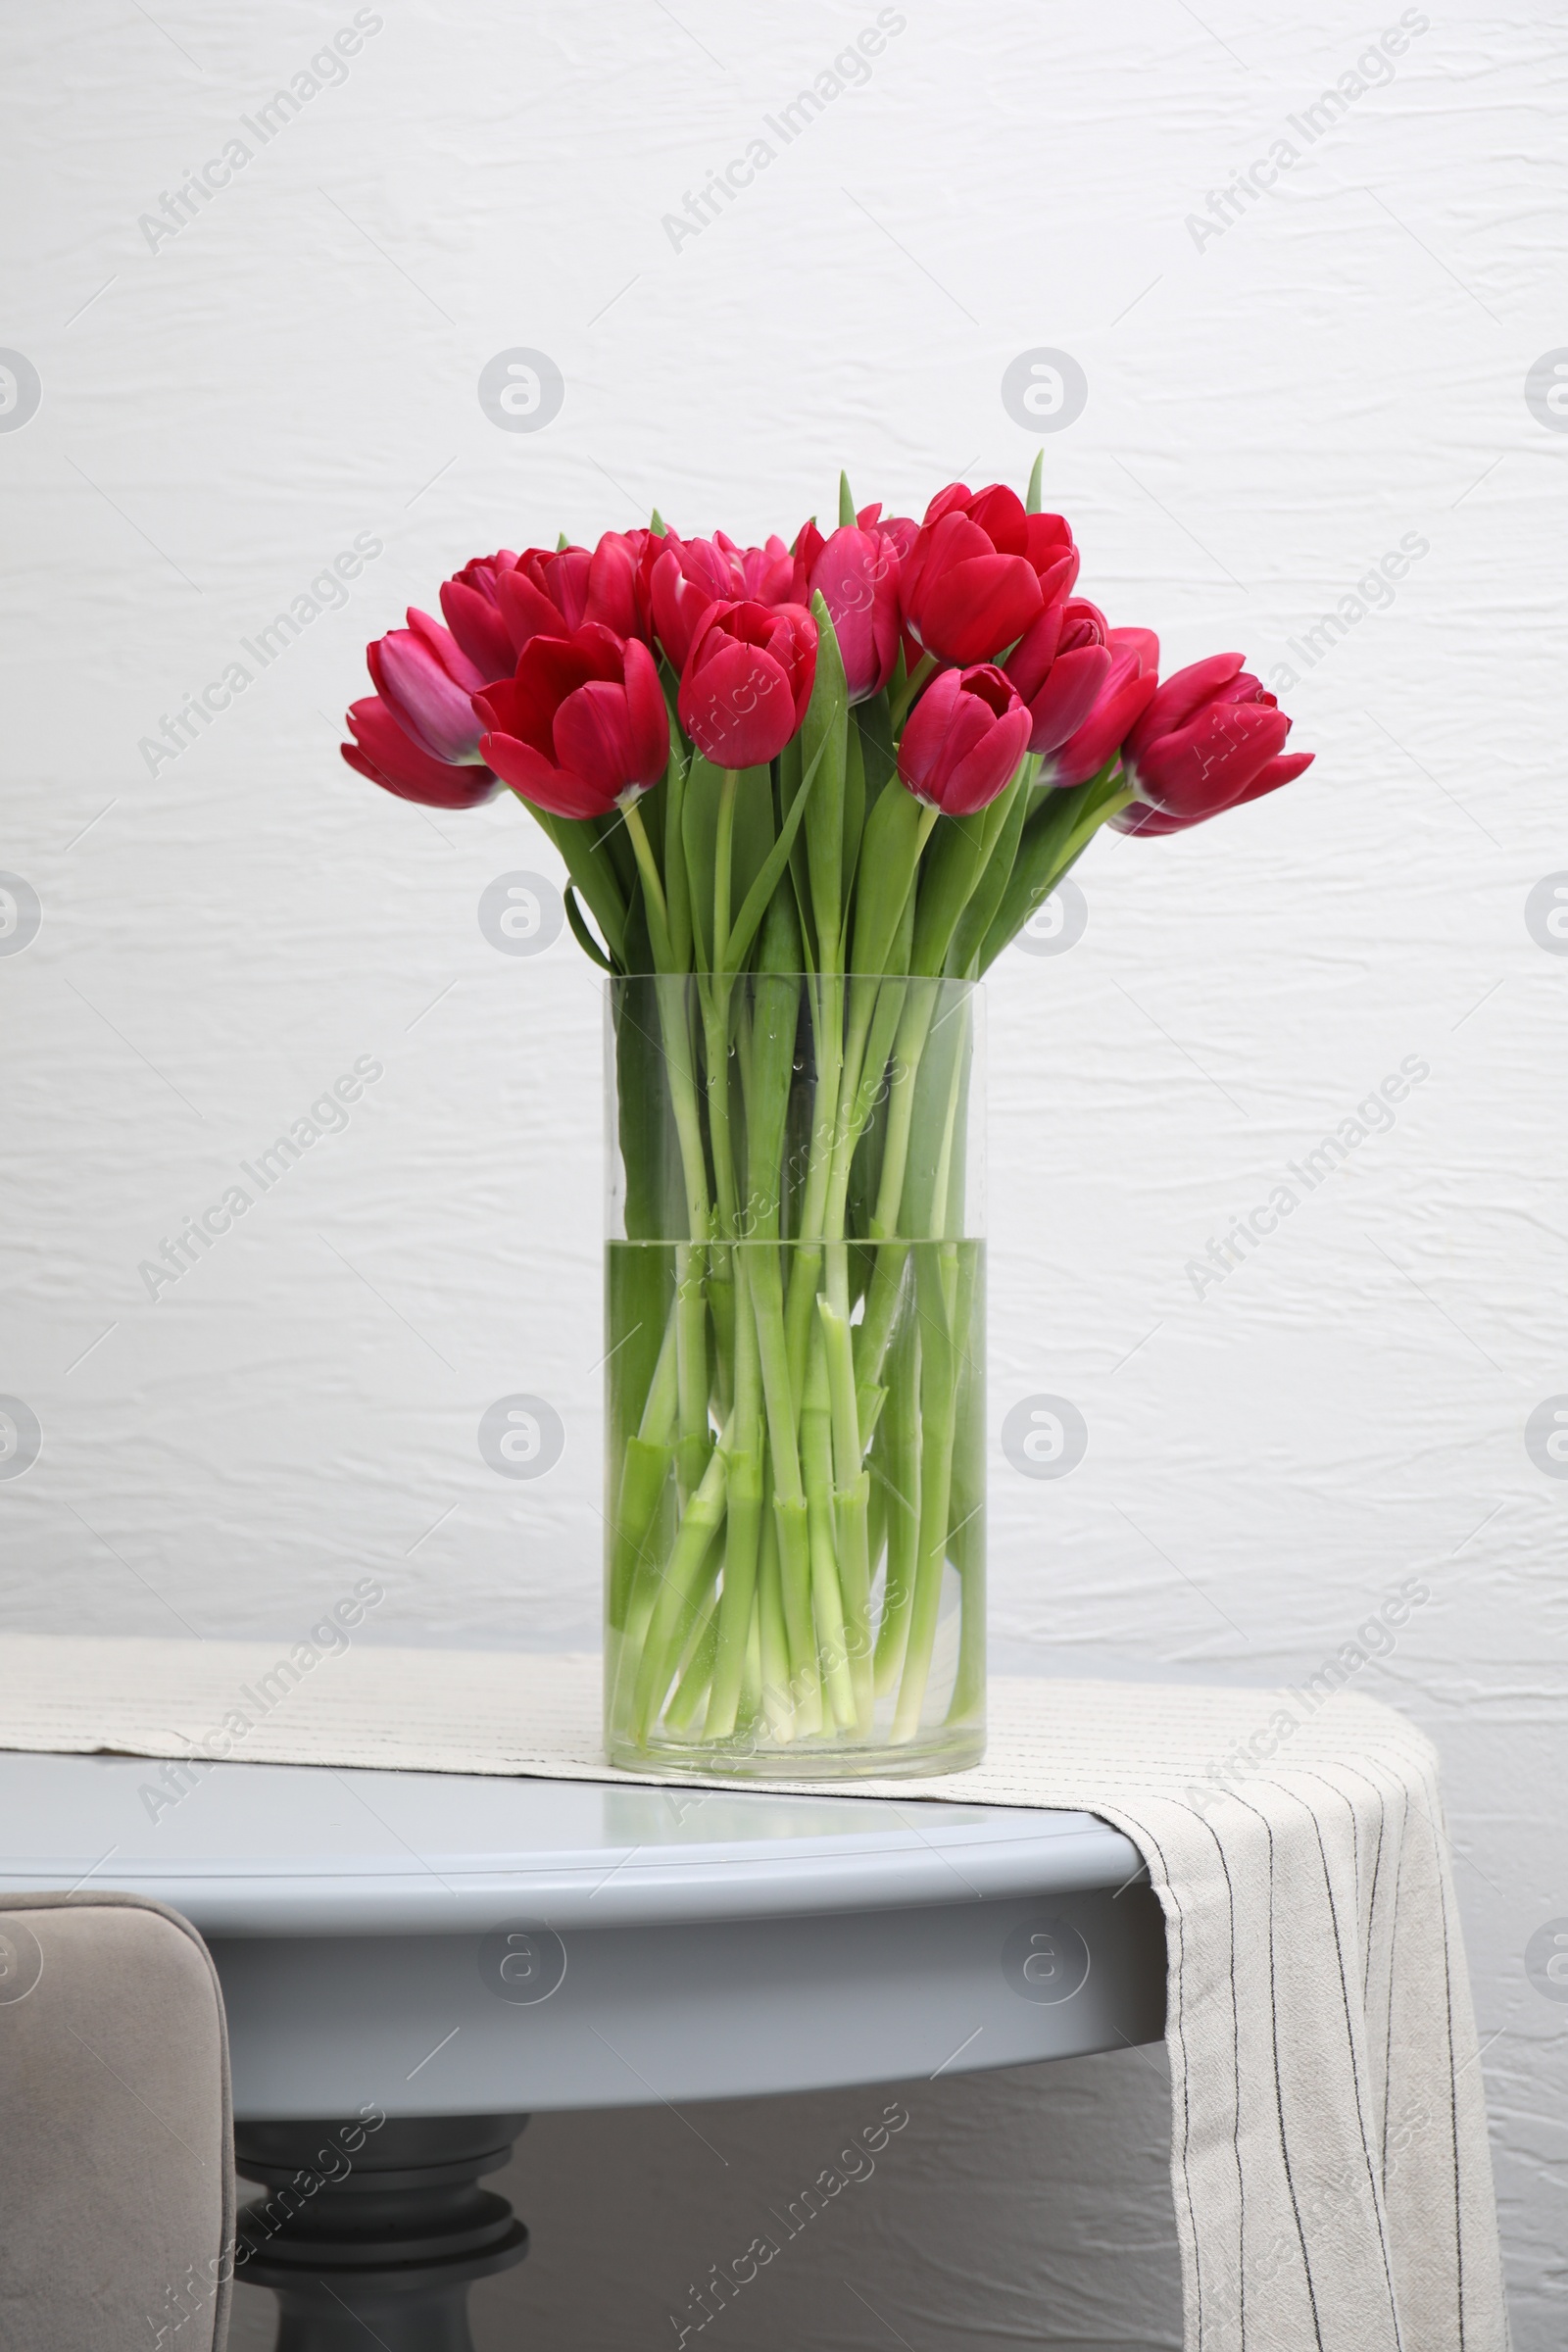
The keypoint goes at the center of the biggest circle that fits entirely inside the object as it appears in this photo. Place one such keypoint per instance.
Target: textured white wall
(1276, 400)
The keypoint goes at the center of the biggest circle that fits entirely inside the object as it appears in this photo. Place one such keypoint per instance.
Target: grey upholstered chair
(117, 2182)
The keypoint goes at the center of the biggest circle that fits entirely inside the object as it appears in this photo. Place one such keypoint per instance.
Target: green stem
(911, 687)
(724, 860)
(936, 1478)
(966, 1545)
(852, 1494)
(695, 1672)
(899, 1467)
(683, 1576)
(777, 1698)
(827, 1600)
(743, 1524)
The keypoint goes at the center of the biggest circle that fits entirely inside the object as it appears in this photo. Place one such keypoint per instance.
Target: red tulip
(1130, 686)
(1211, 737)
(581, 727)
(427, 683)
(747, 681)
(855, 572)
(965, 739)
(980, 572)
(383, 753)
(1059, 667)
(691, 575)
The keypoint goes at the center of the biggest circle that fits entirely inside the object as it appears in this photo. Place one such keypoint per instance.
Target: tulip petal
(1142, 644)
(1000, 514)
(1068, 696)
(1281, 770)
(976, 608)
(535, 778)
(1028, 666)
(1184, 692)
(735, 705)
(650, 713)
(444, 648)
(595, 737)
(388, 757)
(526, 609)
(989, 767)
(479, 628)
(428, 704)
(1204, 766)
(1102, 733)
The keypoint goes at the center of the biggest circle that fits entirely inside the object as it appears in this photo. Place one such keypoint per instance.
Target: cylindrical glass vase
(795, 1376)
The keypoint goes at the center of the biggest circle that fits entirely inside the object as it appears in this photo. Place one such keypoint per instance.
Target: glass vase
(795, 1376)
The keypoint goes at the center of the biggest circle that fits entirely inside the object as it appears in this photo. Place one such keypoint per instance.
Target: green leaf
(949, 872)
(854, 826)
(1035, 499)
(754, 906)
(592, 870)
(1009, 812)
(583, 936)
(789, 784)
(677, 888)
(823, 748)
(845, 503)
(874, 719)
(892, 846)
(1045, 850)
(751, 843)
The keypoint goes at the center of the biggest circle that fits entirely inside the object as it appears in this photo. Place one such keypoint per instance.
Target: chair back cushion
(117, 2182)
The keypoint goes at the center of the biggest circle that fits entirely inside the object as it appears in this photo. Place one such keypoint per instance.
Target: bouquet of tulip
(806, 795)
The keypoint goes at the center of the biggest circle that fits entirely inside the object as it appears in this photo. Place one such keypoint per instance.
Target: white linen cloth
(1329, 2153)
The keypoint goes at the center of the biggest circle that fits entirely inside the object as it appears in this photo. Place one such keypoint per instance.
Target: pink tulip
(427, 683)
(855, 572)
(965, 739)
(581, 727)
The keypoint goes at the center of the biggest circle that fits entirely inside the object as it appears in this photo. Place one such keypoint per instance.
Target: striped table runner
(1329, 2154)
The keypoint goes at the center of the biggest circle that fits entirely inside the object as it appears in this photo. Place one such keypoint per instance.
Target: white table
(450, 1953)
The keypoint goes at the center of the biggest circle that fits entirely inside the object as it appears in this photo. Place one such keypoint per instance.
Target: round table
(411, 1962)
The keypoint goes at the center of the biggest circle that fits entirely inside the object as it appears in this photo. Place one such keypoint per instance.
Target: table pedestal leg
(382, 2244)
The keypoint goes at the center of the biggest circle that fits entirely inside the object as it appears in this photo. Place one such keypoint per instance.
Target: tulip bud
(965, 739)
(1058, 667)
(1211, 737)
